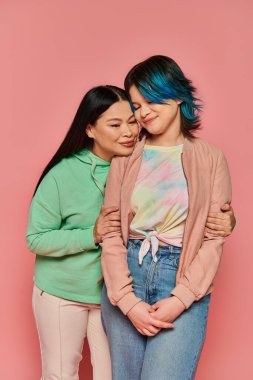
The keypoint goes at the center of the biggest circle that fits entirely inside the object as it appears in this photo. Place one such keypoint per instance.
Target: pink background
(51, 53)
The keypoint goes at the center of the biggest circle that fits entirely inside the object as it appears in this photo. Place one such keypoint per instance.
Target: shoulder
(65, 168)
(204, 147)
(57, 173)
(208, 156)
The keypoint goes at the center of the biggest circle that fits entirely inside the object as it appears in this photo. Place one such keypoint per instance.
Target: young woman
(64, 231)
(165, 191)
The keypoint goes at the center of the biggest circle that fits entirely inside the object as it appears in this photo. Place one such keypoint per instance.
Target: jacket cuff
(184, 294)
(87, 239)
(127, 302)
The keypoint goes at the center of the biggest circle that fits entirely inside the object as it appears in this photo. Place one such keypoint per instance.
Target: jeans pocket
(173, 261)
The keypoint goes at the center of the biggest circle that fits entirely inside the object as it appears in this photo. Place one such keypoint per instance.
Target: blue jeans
(172, 354)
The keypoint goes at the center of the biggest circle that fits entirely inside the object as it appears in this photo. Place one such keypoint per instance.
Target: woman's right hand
(221, 223)
(142, 320)
(107, 221)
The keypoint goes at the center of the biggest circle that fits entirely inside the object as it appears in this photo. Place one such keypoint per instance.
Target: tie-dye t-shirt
(160, 198)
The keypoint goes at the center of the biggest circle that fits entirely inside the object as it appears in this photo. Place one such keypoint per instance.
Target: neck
(161, 140)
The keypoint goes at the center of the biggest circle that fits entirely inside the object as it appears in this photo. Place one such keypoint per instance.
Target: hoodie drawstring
(98, 184)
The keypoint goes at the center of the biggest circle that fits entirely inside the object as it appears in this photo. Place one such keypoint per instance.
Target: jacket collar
(187, 146)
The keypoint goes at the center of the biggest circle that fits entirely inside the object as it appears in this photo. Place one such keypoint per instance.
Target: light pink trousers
(62, 327)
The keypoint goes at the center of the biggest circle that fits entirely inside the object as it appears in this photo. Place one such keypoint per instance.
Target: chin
(154, 130)
(157, 129)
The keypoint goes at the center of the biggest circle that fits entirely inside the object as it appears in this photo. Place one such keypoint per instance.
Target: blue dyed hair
(158, 79)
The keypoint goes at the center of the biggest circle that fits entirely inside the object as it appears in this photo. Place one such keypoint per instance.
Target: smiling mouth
(128, 143)
(149, 121)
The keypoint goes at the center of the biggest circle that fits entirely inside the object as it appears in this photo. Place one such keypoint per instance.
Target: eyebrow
(115, 119)
(118, 119)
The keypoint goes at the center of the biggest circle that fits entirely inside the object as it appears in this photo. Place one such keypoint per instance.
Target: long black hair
(94, 103)
(158, 79)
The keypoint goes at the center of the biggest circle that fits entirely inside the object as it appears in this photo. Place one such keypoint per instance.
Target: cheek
(135, 129)
(168, 114)
(112, 135)
(103, 138)
(137, 116)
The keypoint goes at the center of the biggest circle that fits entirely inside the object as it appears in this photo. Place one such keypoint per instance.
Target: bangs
(157, 88)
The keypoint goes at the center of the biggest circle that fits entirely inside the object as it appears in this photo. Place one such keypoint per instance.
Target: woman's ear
(89, 131)
(179, 101)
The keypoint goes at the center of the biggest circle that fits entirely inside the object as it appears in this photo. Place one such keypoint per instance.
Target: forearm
(58, 243)
(117, 275)
(198, 278)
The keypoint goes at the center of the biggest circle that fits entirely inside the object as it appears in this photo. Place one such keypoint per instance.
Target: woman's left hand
(221, 223)
(167, 309)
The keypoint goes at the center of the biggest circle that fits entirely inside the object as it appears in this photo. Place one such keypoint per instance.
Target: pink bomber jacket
(209, 187)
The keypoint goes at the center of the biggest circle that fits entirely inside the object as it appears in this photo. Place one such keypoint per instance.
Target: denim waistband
(162, 249)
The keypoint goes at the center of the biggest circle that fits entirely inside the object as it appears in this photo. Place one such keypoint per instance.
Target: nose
(144, 111)
(127, 131)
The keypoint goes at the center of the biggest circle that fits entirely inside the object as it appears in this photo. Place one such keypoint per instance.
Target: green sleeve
(44, 234)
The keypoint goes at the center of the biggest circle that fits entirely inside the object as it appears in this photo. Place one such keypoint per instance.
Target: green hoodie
(62, 216)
